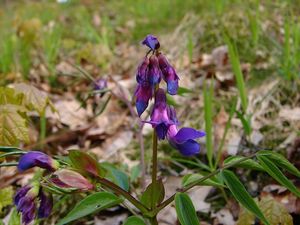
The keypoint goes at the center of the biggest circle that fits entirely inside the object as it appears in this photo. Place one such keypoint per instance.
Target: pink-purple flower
(31, 201)
(163, 117)
(169, 74)
(39, 159)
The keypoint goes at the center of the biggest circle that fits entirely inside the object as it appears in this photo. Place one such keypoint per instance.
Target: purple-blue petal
(187, 148)
(35, 158)
(187, 133)
(21, 193)
(151, 41)
(172, 87)
(161, 130)
(46, 205)
(28, 214)
(141, 106)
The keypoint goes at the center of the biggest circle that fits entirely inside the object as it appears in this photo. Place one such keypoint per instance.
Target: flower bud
(154, 72)
(142, 72)
(142, 94)
(39, 159)
(73, 180)
(169, 74)
(151, 41)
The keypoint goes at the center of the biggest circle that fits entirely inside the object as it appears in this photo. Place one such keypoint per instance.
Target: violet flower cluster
(149, 74)
(31, 200)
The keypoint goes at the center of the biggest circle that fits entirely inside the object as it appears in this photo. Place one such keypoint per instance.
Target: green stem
(11, 153)
(9, 164)
(154, 158)
(43, 127)
(153, 220)
(124, 193)
(197, 182)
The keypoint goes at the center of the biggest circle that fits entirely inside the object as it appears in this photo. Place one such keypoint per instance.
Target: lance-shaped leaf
(117, 176)
(91, 204)
(33, 98)
(241, 195)
(13, 125)
(191, 178)
(185, 210)
(84, 162)
(134, 220)
(154, 194)
(280, 161)
(73, 179)
(247, 164)
(275, 172)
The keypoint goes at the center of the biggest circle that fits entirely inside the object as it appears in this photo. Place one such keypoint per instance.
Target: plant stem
(153, 220)
(142, 156)
(154, 158)
(197, 182)
(9, 164)
(43, 127)
(124, 193)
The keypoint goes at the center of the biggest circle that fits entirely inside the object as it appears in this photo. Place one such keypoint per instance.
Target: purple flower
(142, 72)
(39, 159)
(183, 140)
(161, 116)
(46, 205)
(26, 200)
(142, 94)
(154, 72)
(169, 74)
(151, 41)
(100, 84)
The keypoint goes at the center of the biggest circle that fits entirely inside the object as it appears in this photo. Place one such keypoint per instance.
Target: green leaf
(34, 99)
(245, 121)
(236, 67)
(185, 210)
(118, 177)
(9, 96)
(275, 212)
(208, 98)
(171, 101)
(14, 218)
(10, 149)
(191, 178)
(84, 162)
(280, 161)
(154, 194)
(247, 164)
(241, 194)
(13, 125)
(91, 204)
(6, 196)
(134, 220)
(275, 172)
(182, 90)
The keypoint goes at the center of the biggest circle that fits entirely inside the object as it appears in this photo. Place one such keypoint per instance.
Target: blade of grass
(208, 98)
(236, 67)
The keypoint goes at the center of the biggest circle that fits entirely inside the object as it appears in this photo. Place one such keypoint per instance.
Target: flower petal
(46, 205)
(187, 133)
(151, 41)
(187, 148)
(35, 158)
(161, 130)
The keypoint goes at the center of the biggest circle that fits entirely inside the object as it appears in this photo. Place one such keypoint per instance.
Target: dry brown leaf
(290, 114)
